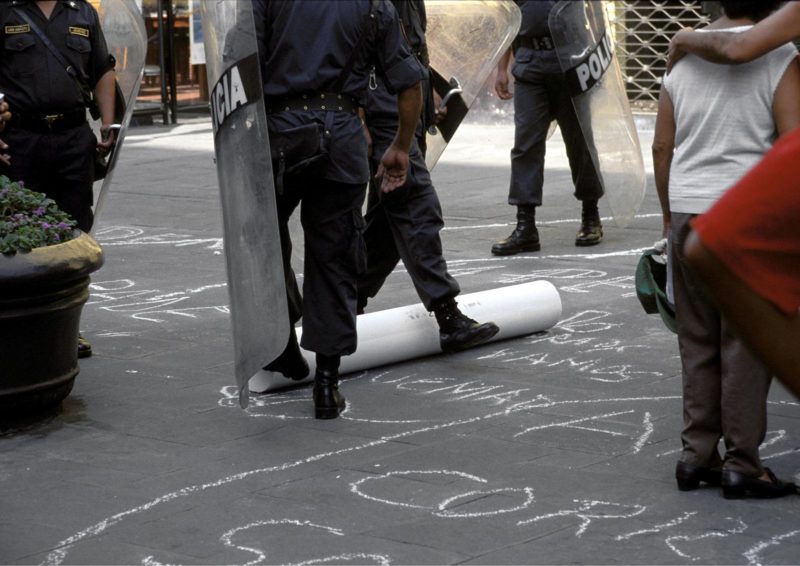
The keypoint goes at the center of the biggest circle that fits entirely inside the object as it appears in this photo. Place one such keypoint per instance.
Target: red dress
(754, 229)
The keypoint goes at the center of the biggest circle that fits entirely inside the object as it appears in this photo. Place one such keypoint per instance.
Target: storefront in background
(175, 79)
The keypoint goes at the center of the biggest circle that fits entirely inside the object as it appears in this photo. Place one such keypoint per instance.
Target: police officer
(541, 95)
(406, 223)
(321, 81)
(50, 144)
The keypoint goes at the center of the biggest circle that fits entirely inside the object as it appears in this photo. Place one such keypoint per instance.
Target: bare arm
(785, 106)
(105, 95)
(663, 149)
(5, 116)
(394, 164)
(781, 27)
(501, 82)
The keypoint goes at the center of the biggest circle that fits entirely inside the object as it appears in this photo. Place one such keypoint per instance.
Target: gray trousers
(724, 386)
(536, 103)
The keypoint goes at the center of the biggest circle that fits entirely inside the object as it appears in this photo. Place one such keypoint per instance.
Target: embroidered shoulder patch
(23, 28)
(83, 32)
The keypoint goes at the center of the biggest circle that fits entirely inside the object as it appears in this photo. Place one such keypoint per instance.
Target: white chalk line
(358, 558)
(648, 431)
(538, 223)
(658, 528)
(738, 529)
(752, 554)
(572, 422)
(227, 537)
(441, 510)
(56, 557)
(586, 518)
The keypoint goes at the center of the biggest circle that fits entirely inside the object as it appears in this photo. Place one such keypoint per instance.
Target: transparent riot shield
(123, 27)
(584, 44)
(465, 40)
(259, 312)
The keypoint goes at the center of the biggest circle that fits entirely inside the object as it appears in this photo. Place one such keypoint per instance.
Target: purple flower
(39, 211)
(46, 225)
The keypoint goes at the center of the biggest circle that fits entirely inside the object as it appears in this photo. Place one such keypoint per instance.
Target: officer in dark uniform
(306, 48)
(541, 95)
(406, 223)
(51, 146)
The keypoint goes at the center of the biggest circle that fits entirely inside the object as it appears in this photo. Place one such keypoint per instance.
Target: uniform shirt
(32, 79)
(381, 104)
(304, 45)
(529, 63)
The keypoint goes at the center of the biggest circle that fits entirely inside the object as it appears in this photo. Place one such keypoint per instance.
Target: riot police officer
(541, 95)
(54, 63)
(406, 223)
(316, 59)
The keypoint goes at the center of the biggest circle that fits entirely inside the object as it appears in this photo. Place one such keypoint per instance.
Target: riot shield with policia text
(123, 28)
(259, 311)
(584, 45)
(466, 38)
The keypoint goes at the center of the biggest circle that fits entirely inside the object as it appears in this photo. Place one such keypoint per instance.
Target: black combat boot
(328, 402)
(524, 238)
(591, 231)
(457, 331)
(291, 362)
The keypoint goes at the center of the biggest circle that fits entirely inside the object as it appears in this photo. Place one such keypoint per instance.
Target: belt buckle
(51, 118)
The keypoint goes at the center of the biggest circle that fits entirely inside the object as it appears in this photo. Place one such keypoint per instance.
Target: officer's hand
(4, 157)
(501, 86)
(676, 51)
(393, 169)
(5, 115)
(441, 111)
(107, 140)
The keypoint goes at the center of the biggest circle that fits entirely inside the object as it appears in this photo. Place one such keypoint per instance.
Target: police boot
(457, 331)
(591, 230)
(328, 402)
(291, 362)
(524, 238)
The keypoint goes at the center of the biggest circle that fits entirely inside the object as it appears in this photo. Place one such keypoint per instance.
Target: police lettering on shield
(591, 69)
(235, 89)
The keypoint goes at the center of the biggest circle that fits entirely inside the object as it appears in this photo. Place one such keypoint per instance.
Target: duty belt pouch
(296, 149)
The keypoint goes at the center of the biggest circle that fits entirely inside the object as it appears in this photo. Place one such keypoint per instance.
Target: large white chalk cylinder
(409, 332)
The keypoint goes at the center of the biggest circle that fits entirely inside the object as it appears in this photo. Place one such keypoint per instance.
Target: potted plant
(44, 282)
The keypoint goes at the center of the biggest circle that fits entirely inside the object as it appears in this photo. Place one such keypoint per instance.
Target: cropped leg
(334, 259)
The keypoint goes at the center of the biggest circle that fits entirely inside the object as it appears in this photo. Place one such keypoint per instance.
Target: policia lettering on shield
(315, 61)
(53, 56)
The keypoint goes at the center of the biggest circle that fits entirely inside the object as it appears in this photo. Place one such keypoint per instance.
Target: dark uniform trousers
(540, 98)
(405, 224)
(58, 164)
(333, 227)
(724, 387)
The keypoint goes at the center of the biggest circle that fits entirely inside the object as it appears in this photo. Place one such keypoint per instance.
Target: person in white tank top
(714, 123)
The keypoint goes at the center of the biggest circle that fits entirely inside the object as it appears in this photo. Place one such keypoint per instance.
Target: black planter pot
(42, 293)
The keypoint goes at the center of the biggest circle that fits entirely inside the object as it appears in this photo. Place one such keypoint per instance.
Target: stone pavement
(547, 449)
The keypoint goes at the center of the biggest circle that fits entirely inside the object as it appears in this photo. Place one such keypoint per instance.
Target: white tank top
(723, 123)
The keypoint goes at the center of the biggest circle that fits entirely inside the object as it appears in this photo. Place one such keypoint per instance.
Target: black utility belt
(542, 43)
(47, 123)
(321, 101)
